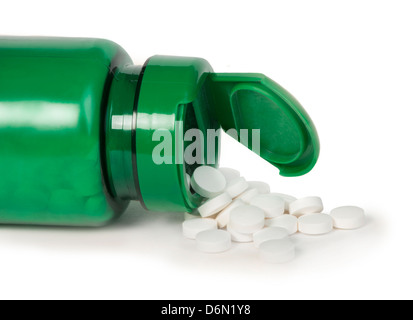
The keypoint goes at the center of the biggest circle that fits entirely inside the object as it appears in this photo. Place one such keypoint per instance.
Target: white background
(350, 63)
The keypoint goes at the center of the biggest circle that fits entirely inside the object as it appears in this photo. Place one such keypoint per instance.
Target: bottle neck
(120, 132)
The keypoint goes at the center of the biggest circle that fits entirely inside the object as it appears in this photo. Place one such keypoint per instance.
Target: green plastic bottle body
(53, 99)
(83, 130)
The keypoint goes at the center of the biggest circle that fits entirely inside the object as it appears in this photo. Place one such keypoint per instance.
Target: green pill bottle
(84, 131)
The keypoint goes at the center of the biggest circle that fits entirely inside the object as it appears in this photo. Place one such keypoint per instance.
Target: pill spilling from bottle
(237, 210)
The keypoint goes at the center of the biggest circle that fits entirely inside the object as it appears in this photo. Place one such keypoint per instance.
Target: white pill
(208, 181)
(229, 174)
(348, 217)
(213, 241)
(248, 194)
(272, 205)
(191, 215)
(277, 251)
(287, 198)
(214, 205)
(286, 221)
(239, 237)
(236, 186)
(223, 217)
(306, 205)
(272, 233)
(315, 223)
(247, 219)
(192, 227)
(262, 187)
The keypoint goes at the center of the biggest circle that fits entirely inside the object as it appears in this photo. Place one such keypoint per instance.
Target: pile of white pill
(237, 210)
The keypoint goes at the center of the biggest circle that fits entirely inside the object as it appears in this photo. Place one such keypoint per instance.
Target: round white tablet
(262, 187)
(277, 251)
(214, 205)
(272, 205)
(315, 223)
(239, 237)
(247, 219)
(248, 194)
(223, 217)
(306, 205)
(348, 217)
(208, 181)
(287, 198)
(286, 221)
(192, 227)
(236, 186)
(213, 241)
(230, 174)
(272, 233)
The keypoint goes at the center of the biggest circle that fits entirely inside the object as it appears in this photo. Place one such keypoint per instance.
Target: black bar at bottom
(208, 309)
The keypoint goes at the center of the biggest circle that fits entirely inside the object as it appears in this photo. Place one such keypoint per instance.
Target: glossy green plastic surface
(288, 137)
(51, 96)
(119, 140)
(80, 124)
(171, 101)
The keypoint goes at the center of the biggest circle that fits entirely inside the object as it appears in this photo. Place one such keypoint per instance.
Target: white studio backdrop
(350, 65)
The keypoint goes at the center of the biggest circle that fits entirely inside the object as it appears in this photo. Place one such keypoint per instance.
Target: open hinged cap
(171, 102)
(251, 102)
(181, 93)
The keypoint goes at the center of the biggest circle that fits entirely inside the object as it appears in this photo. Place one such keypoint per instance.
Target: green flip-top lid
(252, 102)
(178, 93)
